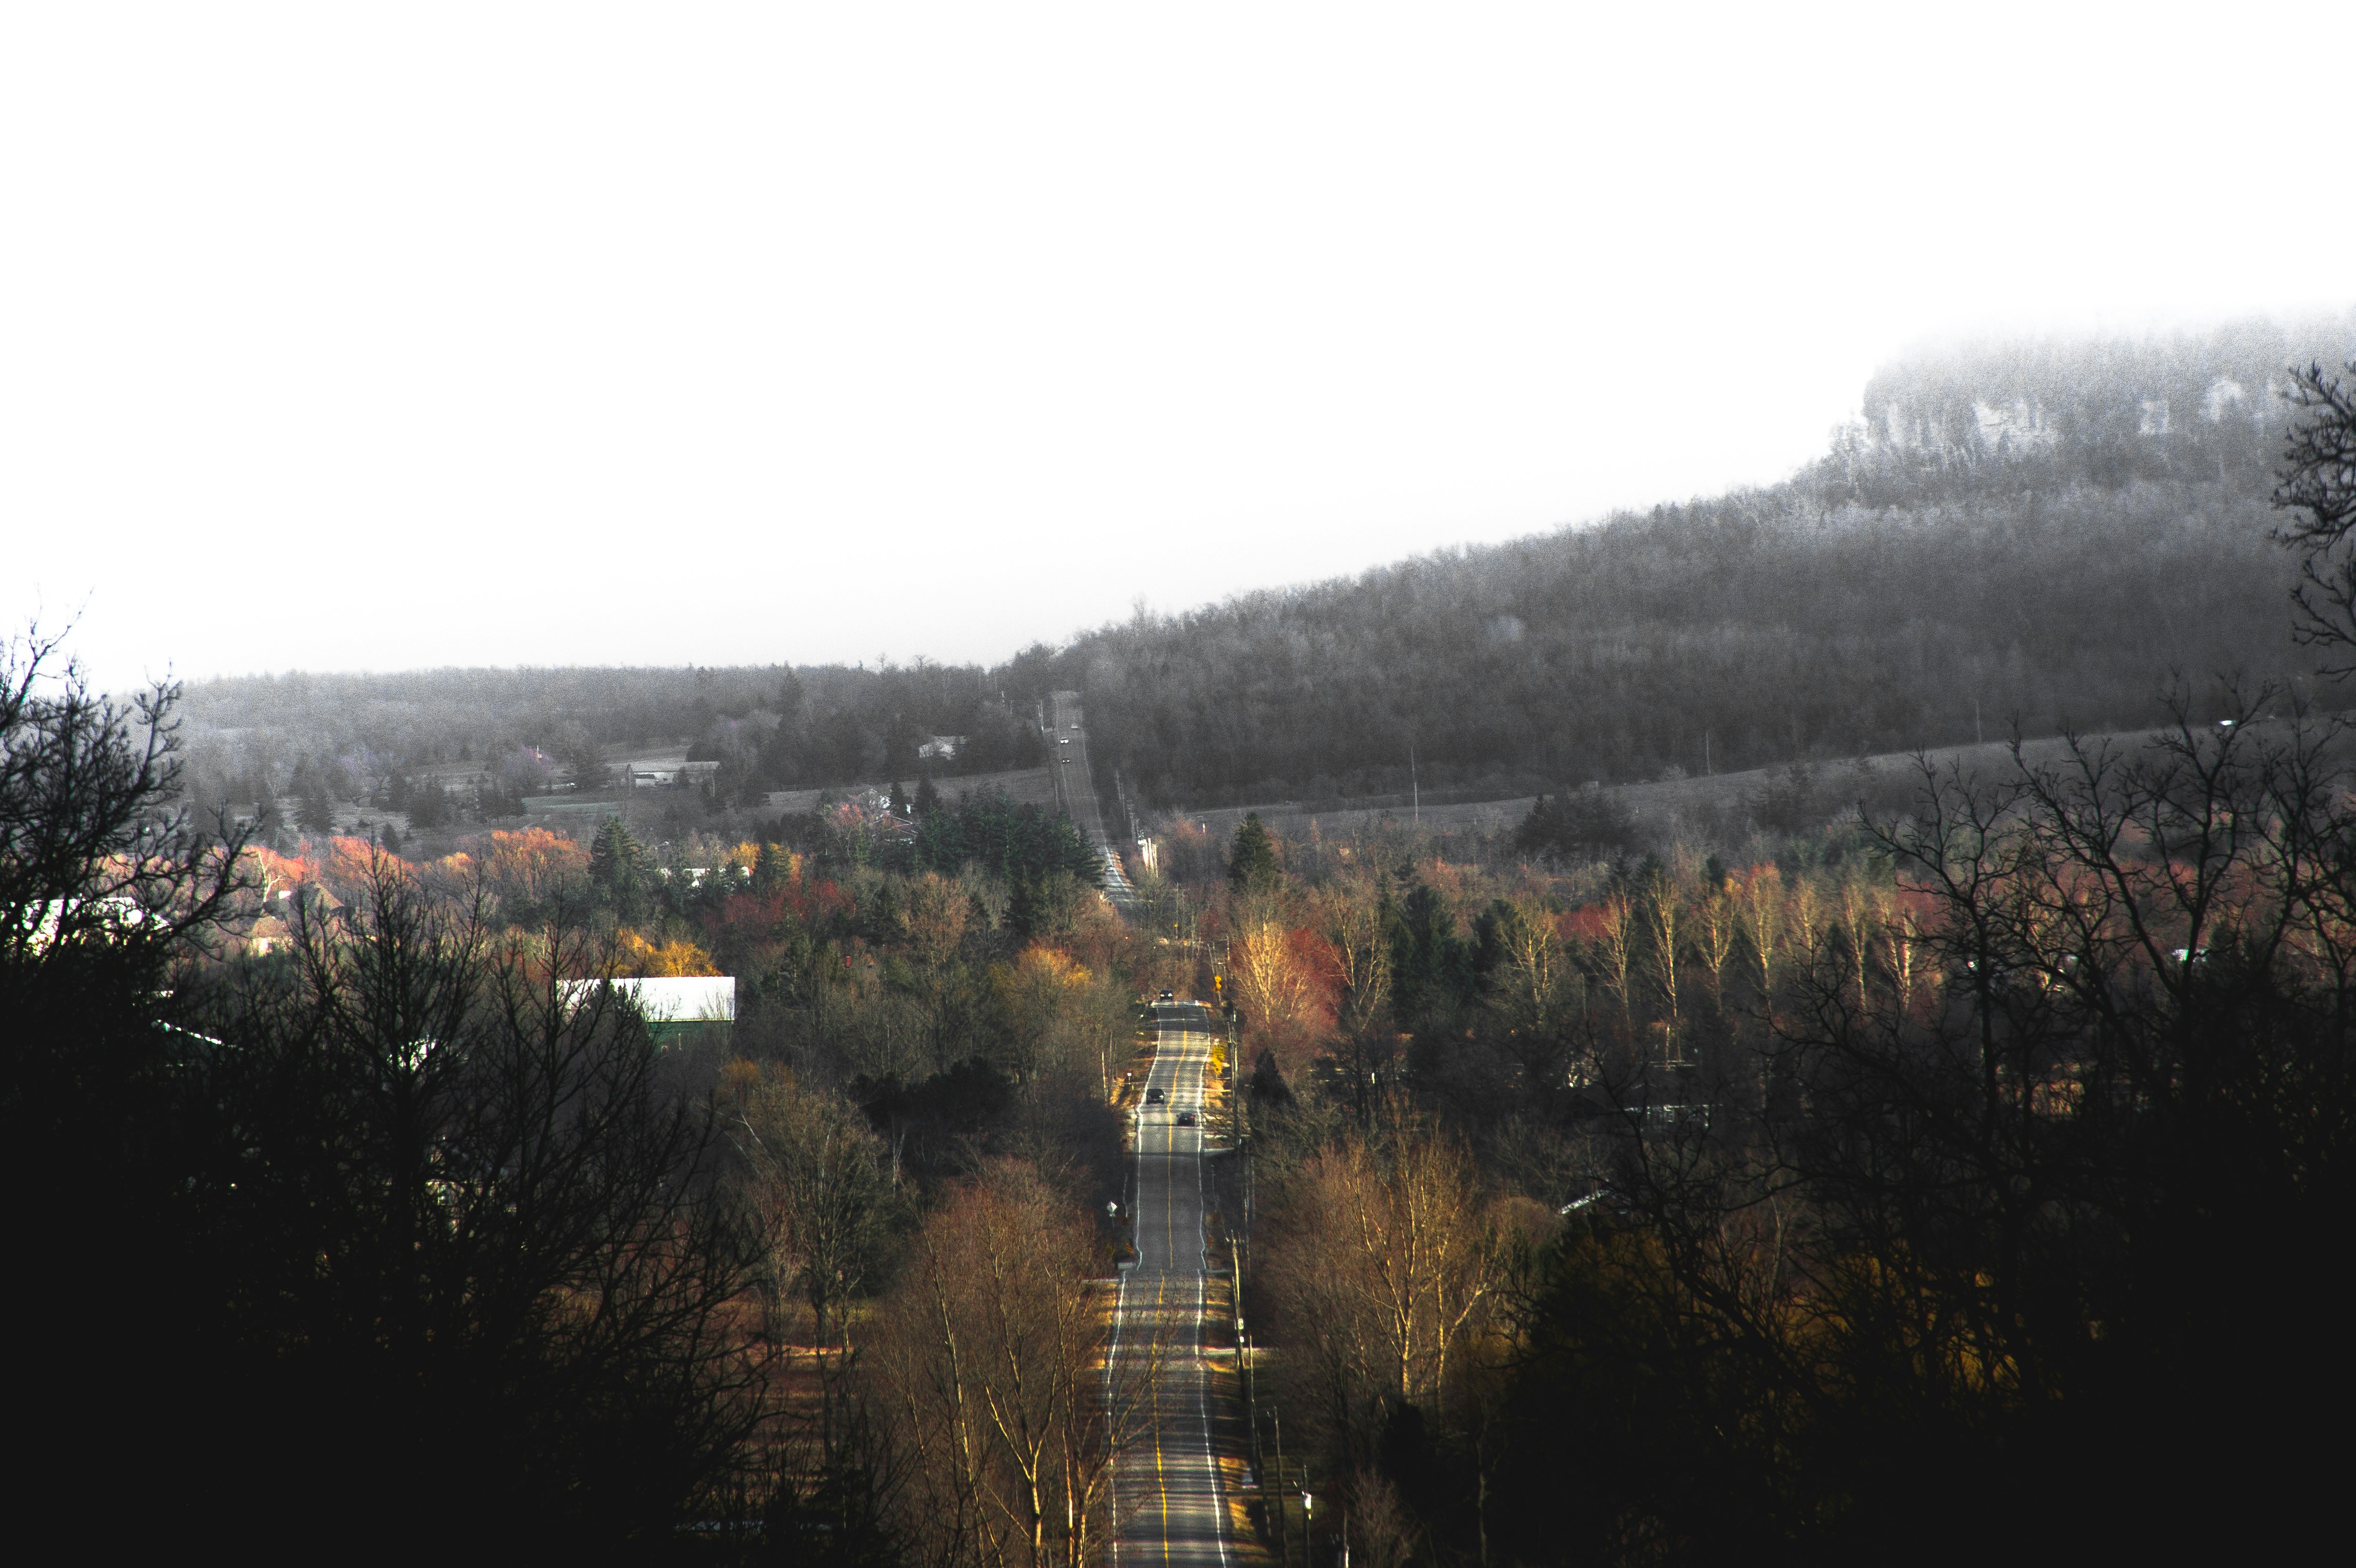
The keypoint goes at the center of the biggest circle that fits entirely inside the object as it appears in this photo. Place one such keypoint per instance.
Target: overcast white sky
(424, 334)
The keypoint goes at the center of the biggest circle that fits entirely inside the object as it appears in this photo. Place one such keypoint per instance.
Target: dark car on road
(1186, 1118)
(1154, 1097)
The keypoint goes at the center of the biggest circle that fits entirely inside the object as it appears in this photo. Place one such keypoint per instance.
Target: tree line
(288, 747)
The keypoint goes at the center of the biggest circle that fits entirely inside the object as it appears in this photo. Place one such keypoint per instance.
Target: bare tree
(108, 885)
(1720, 930)
(467, 1256)
(820, 1193)
(2319, 478)
(989, 1359)
(1661, 910)
(1385, 1254)
(1273, 986)
(1351, 910)
(1614, 947)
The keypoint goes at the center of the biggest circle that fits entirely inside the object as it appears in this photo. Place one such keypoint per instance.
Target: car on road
(1186, 1118)
(1167, 997)
(1154, 1097)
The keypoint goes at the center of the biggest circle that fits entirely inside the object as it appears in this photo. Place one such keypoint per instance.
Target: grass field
(1705, 805)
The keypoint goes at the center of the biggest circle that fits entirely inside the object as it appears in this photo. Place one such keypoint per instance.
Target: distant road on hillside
(1670, 799)
(1076, 790)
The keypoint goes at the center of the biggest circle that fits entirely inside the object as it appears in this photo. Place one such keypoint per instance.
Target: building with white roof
(677, 1008)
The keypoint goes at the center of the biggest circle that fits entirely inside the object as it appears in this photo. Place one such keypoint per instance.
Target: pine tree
(928, 799)
(617, 868)
(1022, 906)
(1251, 863)
(429, 805)
(317, 812)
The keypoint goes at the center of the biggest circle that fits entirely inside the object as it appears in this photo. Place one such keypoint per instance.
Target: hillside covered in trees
(2037, 530)
(2041, 531)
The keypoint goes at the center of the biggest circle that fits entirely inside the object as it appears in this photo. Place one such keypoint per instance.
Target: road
(1170, 1507)
(1076, 791)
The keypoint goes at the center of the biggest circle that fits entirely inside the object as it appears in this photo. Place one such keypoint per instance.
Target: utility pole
(1415, 788)
(1284, 1514)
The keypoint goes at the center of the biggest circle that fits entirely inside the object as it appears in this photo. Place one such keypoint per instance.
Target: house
(266, 935)
(943, 746)
(679, 1009)
(665, 775)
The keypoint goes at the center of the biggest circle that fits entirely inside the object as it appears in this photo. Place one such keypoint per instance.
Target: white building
(677, 1007)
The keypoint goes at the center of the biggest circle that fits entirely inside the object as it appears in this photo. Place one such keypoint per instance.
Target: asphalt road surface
(1076, 790)
(1166, 1486)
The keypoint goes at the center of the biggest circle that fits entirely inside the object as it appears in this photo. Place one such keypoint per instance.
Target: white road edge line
(1203, 1330)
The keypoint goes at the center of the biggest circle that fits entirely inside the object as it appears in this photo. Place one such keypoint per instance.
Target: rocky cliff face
(2107, 411)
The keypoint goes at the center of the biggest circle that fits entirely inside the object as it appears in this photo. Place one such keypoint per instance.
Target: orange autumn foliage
(527, 866)
(640, 959)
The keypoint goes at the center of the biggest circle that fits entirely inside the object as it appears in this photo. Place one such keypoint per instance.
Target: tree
(821, 1195)
(1047, 908)
(1276, 984)
(317, 814)
(1946, 1260)
(582, 759)
(1354, 930)
(928, 799)
(1384, 1255)
(466, 1271)
(1251, 861)
(619, 871)
(773, 867)
(989, 1357)
(2319, 478)
(1535, 991)
(1584, 824)
(429, 803)
(109, 887)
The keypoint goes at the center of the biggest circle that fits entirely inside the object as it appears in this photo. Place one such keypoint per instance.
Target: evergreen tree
(429, 804)
(899, 800)
(1022, 907)
(928, 799)
(771, 868)
(1267, 1088)
(618, 869)
(317, 813)
(1583, 824)
(1251, 863)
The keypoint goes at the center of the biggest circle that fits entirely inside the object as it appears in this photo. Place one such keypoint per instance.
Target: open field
(1663, 807)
